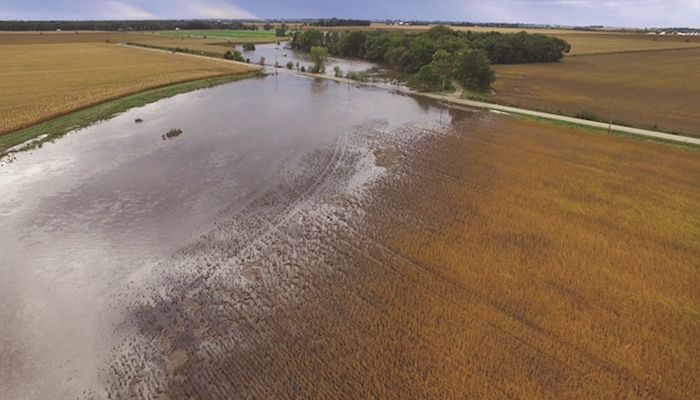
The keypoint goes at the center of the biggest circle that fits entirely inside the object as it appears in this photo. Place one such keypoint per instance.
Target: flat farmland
(214, 42)
(43, 80)
(556, 264)
(237, 36)
(71, 37)
(585, 43)
(657, 90)
(207, 46)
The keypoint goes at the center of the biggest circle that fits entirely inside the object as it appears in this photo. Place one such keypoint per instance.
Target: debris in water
(172, 133)
(138, 120)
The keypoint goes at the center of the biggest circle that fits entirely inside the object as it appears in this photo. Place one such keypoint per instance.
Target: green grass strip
(59, 126)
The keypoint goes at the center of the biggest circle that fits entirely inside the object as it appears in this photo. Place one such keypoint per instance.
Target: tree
(473, 69)
(443, 65)
(318, 56)
(426, 78)
(351, 44)
(281, 31)
(268, 27)
(248, 46)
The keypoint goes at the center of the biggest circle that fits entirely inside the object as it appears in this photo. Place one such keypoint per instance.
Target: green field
(222, 33)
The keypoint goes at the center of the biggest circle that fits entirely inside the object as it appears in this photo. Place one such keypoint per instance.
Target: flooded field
(295, 238)
(90, 223)
(282, 54)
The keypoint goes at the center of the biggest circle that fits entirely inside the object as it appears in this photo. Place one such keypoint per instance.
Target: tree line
(148, 25)
(432, 59)
(341, 22)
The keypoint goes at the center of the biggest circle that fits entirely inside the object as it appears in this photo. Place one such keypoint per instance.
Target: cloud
(214, 9)
(121, 10)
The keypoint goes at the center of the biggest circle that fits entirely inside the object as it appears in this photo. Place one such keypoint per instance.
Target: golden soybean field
(40, 81)
(658, 89)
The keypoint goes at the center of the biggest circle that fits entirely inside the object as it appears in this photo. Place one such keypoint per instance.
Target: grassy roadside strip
(486, 98)
(59, 126)
(600, 131)
(450, 100)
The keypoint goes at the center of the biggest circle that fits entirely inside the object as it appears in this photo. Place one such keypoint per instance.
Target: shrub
(589, 115)
(290, 65)
(248, 47)
(318, 56)
(357, 76)
(233, 55)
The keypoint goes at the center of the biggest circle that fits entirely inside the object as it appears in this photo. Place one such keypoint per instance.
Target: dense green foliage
(520, 48)
(319, 55)
(432, 58)
(248, 47)
(281, 31)
(233, 55)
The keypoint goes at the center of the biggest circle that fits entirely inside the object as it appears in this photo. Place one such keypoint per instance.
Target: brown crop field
(44, 76)
(504, 259)
(212, 46)
(657, 90)
(531, 261)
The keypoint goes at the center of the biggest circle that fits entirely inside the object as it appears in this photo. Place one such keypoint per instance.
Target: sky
(620, 13)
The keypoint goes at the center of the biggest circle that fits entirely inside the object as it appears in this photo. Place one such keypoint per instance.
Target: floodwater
(115, 218)
(282, 54)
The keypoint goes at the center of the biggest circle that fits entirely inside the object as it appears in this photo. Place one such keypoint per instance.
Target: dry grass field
(44, 76)
(530, 261)
(71, 37)
(658, 89)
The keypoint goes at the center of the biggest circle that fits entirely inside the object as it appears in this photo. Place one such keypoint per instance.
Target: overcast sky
(639, 13)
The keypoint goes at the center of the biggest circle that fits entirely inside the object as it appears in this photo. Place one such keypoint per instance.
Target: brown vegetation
(531, 261)
(41, 80)
(511, 259)
(657, 90)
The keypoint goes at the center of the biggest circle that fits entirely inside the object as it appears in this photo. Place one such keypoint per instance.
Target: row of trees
(341, 22)
(148, 25)
(424, 58)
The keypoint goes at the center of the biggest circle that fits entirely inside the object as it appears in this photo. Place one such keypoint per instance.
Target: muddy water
(98, 227)
(282, 54)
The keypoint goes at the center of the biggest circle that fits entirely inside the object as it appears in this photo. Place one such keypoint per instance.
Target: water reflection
(281, 55)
